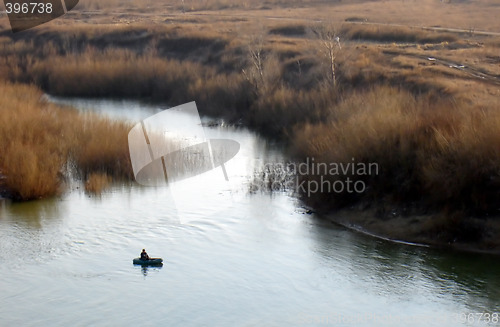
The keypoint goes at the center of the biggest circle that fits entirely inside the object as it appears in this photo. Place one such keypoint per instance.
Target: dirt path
(474, 72)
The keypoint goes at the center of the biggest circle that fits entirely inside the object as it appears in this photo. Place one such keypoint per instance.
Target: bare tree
(255, 73)
(329, 45)
(263, 71)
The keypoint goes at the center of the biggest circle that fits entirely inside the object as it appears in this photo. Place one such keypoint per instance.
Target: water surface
(246, 260)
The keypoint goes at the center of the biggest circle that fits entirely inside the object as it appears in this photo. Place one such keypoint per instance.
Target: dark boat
(150, 262)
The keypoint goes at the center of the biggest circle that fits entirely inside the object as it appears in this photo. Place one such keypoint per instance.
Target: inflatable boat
(150, 262)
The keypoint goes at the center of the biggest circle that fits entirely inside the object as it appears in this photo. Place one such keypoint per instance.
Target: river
(244, 260)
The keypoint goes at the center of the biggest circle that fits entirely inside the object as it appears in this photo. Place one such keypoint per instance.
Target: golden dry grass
(388, 34)
(97, 182)
(39, 141)
(420, 119)
(467, 15)
(31, 158)
(444, 154)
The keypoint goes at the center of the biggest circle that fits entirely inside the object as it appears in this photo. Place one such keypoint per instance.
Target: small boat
(150, 262)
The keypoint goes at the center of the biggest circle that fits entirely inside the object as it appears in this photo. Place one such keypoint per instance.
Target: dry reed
(40, 140)
(444, 155)
(97, 182)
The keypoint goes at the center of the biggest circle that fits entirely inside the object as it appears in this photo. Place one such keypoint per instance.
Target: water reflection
(474, 278)
(33, 214)
(409, 272)
(148, 269)
(259, 261)
(33, 231)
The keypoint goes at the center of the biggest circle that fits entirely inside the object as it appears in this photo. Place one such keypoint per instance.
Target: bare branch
(329, 42)
(264, 68)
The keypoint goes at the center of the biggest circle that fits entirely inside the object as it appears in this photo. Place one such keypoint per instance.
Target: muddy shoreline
(417, 230)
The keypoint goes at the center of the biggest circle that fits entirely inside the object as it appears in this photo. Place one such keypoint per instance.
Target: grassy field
(410, 85)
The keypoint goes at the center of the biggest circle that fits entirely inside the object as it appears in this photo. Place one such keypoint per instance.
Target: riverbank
(459, 233)
(398, 96)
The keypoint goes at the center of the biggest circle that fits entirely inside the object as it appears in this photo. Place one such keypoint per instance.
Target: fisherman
(144, 255)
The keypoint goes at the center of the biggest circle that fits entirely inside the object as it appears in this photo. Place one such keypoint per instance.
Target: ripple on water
(257, 261)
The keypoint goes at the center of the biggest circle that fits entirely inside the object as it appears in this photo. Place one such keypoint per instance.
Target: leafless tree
(263, 70)
(255, 73)
(329, 46)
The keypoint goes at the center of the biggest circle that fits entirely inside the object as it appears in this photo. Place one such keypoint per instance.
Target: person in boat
(144, 255)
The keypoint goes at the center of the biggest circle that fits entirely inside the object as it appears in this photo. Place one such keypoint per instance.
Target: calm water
(243, 260)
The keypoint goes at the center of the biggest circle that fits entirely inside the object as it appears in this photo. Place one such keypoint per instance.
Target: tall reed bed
(125, 73)
(430, 147)
(440, 154)
(41, 141)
